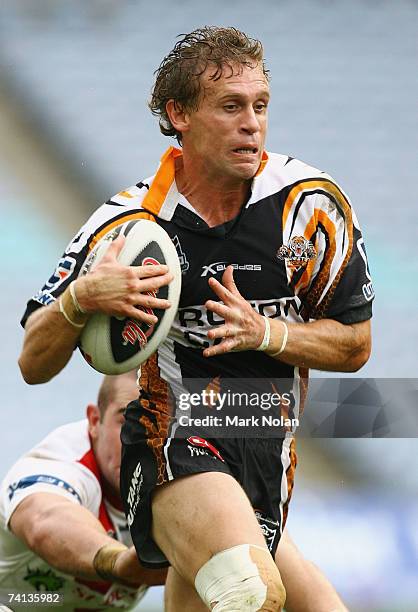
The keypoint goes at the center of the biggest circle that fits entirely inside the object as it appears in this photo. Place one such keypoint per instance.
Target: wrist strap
(105, 559)
(69, 310)
(76, 302)
(266, 339)
(284, 341)
(70, 321)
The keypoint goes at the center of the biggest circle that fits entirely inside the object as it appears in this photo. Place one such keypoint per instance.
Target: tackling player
(62, 524)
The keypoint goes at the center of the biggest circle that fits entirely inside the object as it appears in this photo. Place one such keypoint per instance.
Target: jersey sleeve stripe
(42, 479)
(302, 199)
(115, 222)
(332, 267)
(311, 185)
(337, 226)
(319, 218)
(125, 194)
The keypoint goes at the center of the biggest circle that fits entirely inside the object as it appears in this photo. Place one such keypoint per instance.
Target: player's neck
(216, 201)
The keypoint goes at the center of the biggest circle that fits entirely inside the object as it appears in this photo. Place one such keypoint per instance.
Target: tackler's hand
(128, 570)
(115, 562)
(243, 329)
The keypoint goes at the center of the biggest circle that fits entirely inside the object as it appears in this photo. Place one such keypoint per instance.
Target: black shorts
(264, 467)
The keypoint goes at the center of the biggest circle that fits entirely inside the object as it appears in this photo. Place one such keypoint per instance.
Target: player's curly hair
(177, 77)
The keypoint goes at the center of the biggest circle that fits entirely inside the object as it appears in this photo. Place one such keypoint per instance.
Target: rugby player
(62, 524)
(275, 281)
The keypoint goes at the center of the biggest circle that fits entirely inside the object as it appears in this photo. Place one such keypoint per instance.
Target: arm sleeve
(33, 475)
(337, 283)
(351, 301)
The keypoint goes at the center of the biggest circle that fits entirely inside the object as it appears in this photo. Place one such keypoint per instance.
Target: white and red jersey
(62, 464)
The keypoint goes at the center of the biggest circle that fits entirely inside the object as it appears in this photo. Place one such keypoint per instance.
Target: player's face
(106, 434)
(227, 132)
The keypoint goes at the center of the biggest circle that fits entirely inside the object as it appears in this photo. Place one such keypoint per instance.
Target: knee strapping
(241, 579)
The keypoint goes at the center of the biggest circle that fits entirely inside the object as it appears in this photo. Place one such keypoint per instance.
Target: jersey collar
(90, 462)
(163, 196)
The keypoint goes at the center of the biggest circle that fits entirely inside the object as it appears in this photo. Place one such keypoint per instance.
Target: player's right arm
(70, 538)
(111, 288)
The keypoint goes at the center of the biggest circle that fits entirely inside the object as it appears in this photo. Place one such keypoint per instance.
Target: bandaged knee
(241, 579)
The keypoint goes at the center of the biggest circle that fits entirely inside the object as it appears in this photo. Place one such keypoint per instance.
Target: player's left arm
(334, 290)
(325, 344)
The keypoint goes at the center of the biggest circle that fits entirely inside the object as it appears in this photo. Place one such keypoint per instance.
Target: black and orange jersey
(296, 248)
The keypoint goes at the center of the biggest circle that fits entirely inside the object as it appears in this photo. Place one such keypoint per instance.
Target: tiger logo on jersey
(298, 252)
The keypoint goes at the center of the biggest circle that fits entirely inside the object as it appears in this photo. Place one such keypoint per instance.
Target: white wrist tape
(266, 339)
(73, 295)
(105, 559)
(284, 341)
(65, 315)
(231, 580)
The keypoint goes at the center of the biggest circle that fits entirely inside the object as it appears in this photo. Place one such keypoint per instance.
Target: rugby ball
(114, 345)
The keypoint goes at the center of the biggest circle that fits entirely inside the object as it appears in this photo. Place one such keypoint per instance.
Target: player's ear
(93, 417)
(178, 116)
